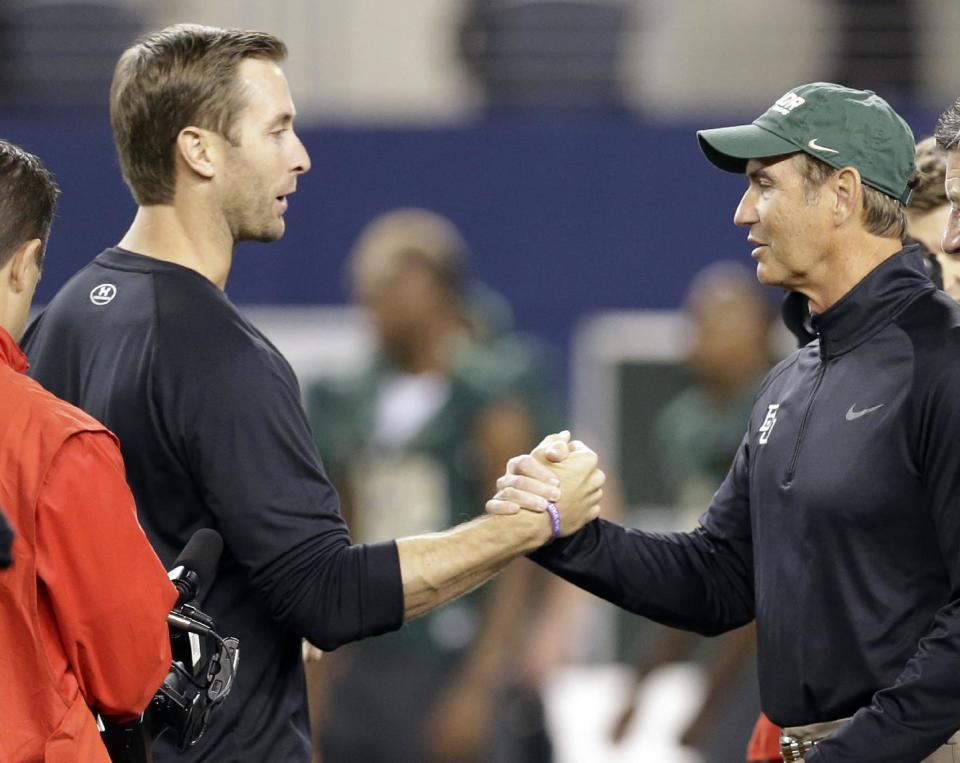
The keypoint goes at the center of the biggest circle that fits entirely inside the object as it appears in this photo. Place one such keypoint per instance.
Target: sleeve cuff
(383, 600)
(561, 548)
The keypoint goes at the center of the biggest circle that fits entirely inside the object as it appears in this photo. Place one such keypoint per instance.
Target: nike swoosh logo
(817, 147)
(852, 414)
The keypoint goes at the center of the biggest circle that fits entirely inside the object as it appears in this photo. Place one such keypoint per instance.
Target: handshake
(559, 479)
(547, 494)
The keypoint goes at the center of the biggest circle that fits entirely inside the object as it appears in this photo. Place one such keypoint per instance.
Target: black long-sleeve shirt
(837, 527)
(213, 435)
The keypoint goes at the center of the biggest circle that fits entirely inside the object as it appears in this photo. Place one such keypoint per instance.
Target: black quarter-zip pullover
(837, 527)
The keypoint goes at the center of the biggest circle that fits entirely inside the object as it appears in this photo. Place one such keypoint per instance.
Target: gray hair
(948, 128)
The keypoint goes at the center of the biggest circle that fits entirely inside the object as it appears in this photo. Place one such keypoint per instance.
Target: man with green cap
(836, 527)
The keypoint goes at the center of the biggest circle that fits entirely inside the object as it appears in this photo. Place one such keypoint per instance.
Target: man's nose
(746, 212)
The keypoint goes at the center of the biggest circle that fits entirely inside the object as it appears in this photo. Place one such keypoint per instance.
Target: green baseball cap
(838, 125)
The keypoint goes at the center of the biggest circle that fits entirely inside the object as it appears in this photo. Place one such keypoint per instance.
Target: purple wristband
(554, 513)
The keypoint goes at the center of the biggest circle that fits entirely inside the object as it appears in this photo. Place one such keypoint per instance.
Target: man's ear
(25, 258)
(196, 149)
(849, 193)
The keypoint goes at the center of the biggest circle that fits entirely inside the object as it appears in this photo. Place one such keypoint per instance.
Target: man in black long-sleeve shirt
(208, 411)
(837, 526)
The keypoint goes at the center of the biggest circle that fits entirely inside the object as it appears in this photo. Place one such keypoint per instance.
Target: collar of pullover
(872, 303)
(10, 354)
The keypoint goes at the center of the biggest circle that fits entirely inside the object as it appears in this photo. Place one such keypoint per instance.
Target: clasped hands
(558, 470)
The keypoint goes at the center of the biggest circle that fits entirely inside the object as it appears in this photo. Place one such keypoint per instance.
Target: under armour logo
(102, 294)
(768, 423)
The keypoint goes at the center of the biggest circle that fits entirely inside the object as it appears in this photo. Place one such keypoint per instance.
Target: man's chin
(266, 234)
(769, 276)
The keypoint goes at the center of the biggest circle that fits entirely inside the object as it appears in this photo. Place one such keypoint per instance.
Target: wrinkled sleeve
(700, 581)
(252, 451)
(109, 593)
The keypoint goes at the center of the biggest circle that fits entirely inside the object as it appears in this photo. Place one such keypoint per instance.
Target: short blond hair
(181, 76)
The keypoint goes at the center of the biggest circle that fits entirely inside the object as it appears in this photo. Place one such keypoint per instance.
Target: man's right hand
(441, 566)
(558, 470)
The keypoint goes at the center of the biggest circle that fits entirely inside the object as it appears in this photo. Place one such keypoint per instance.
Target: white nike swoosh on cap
(817, 147)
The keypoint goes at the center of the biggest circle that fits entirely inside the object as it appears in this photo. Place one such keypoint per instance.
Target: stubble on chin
(266, 232)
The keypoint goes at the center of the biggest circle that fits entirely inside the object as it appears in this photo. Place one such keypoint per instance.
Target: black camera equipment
(203, 668)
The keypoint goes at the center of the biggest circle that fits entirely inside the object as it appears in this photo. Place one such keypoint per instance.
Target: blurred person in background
(208, 411)
(699, 430)
(414, 444)
(928, 212)
(697, 435)
(84, 605)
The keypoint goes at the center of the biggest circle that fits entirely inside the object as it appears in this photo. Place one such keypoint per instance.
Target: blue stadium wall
(564, 215)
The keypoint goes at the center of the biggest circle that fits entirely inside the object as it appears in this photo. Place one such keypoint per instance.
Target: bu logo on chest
(855, 412)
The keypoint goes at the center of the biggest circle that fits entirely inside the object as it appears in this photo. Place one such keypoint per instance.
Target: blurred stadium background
(557, 134)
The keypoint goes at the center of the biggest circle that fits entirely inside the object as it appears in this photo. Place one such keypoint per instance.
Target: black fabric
(795, 311)
(840, 532)
(6, 542)
(213, 435)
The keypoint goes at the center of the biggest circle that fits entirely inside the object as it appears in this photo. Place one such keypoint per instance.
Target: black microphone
(197, 564)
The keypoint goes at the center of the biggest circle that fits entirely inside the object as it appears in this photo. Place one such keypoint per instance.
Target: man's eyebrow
(759, 174)
(282, 119)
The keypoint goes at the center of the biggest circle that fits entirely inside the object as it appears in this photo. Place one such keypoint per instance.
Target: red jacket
(764, 744)
(83, 606)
